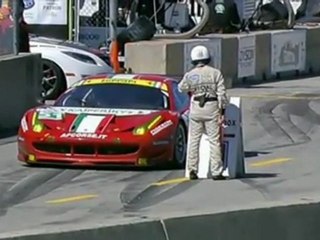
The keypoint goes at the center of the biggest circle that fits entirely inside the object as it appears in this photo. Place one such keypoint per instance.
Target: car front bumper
(94, 153)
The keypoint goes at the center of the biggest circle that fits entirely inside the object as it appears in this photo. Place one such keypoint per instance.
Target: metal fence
(8, 29)
(92, 25)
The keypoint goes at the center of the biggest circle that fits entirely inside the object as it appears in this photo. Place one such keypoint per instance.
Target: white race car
(65, 62)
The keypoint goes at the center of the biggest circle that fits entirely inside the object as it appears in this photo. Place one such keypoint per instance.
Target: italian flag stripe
(88, 123)
(78, 120)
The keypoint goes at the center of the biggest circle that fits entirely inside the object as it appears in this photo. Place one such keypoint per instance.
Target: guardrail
(255, 56)
(294, 222)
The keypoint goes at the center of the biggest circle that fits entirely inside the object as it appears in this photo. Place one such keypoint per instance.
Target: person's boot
(193, 175)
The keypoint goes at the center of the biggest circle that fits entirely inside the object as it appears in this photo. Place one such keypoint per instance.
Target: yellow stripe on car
(139, 82)
(154, 122)
(141, 130)
(34, 118)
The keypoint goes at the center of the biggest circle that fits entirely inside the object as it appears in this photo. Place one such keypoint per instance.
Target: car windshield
(120, 96)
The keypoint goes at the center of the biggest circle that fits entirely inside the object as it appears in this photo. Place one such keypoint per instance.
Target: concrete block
(20, 87)
(288, 53)
(159, 57)
(263, 56)
(313, 49)
(294, 222)
(136, 231)
(271, 59)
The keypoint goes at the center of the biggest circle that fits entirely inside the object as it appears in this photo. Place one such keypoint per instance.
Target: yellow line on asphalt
(72, 199)
(270, 162)
(171, 181)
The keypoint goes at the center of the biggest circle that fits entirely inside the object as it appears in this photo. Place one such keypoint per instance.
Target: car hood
(92, 120)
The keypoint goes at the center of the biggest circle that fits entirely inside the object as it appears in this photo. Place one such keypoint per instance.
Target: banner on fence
(288, 51)
(46, 12)
(246, 56)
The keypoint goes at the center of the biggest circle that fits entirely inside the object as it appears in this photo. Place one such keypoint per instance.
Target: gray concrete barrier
(20, 87)
(152, 230)
(256, 56)
(293, 222)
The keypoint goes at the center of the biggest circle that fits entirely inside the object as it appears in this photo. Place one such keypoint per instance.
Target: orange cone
(114, 56)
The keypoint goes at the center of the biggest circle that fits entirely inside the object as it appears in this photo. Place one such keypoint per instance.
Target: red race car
(137, 120)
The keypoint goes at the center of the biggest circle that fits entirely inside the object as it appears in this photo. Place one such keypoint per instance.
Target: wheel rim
(49, 80)
(180, 146)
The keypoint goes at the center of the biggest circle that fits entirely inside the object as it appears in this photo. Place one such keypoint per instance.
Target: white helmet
(200, 53)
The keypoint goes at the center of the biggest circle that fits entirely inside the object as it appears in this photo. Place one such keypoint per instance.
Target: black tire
(52, 88)
(180, 155)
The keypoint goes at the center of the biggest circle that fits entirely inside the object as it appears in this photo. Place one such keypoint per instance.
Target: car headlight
(141, 130)
(37, 126)
(81, 57)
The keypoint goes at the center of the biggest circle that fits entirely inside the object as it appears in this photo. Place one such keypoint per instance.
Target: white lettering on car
(161, 127)
(84, 135)
(114, 111)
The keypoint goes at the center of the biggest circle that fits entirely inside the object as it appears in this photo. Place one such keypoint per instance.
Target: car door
(182, 102)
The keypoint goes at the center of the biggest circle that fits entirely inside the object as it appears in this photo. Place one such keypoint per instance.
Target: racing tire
(180, 147)
(53, 80)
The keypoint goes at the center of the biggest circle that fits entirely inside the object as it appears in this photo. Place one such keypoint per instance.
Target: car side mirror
(49, 102)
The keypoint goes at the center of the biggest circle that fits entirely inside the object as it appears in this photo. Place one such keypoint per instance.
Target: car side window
(181, 99)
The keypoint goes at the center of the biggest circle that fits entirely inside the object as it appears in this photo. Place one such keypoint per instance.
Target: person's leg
(213, 132)
(195, 133)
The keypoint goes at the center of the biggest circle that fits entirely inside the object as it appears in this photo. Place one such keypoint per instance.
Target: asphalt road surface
(281, 138)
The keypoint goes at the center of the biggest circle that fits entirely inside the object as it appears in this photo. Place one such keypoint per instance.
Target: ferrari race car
(122, 119)
(66, 62)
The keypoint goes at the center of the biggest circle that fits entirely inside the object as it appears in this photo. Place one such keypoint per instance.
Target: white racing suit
(207, 83)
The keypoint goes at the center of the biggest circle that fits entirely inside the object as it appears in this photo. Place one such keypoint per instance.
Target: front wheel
(53, 81)
(180, 147)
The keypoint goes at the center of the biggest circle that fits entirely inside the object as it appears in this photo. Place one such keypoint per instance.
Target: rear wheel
(180, 147)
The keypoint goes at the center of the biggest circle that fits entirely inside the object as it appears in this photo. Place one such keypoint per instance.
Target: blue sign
(28, 4)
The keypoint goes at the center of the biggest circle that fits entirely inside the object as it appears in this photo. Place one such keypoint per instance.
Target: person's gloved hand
(221, 120)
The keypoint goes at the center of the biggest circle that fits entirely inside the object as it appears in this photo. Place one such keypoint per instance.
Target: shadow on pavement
(104, 168)
(259, 175)
(249, 154)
